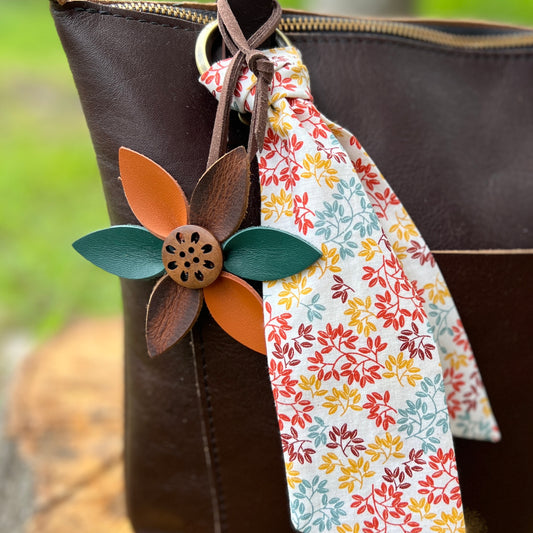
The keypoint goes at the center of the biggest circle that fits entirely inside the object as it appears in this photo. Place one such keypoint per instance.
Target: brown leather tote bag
(445, 110)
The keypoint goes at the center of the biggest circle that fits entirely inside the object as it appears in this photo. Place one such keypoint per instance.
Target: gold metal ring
(205, 40)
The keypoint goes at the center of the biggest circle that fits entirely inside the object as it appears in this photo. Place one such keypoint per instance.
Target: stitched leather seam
(213, 445)
(344, 38)
(421, 46)
(504, 251)
(132, 19)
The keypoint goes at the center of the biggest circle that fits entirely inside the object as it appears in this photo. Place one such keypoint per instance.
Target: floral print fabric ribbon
(369, 363)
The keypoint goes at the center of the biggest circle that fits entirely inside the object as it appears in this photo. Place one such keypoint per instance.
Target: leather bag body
(450, 127)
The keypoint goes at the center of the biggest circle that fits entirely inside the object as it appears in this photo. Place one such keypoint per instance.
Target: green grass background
(511, 11)
(49, 185)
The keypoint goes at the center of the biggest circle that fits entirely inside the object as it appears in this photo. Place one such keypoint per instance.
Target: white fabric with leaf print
(369, 363)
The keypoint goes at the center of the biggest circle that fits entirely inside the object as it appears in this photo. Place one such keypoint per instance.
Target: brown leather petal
(220, 199)
(172, 310)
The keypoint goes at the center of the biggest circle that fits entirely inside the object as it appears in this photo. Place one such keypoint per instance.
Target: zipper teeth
(309, 23)
(166, 9)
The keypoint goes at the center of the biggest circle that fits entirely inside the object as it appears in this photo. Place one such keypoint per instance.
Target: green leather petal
(266, 253)
(130, 252)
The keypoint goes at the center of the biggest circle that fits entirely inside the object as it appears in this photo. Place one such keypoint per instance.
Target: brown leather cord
(251, 14)
(243, 50)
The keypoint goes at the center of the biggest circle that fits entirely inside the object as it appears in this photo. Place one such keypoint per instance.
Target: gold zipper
(171, 10)
(510, 37)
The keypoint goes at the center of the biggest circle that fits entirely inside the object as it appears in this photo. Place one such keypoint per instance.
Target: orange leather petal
(155, 198)
(220, 198)
(238, 309)
(172, 310)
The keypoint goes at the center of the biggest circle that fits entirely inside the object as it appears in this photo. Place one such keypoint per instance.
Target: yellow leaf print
(401, 368)
(329, 463)
(300, 74)
(486, 406)
(456, 360)
(370, 249)
(328, 262)
(344, 399)
(399, 251)
(336, 129)
(276, 118)
(312, 385)
(345, 528)
(453, 522)
(293, 289)
(292, 475)
(361, 315)
(319, 169)
(386, 448)
(277, 206)
(421, 508)
(438, 291)
(355, 473)
(276, 97)
(404, 227)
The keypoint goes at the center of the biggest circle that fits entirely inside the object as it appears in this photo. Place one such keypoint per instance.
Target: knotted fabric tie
(369, 363)
(243, 51)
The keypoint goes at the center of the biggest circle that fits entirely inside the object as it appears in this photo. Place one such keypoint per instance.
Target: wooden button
(192, 257)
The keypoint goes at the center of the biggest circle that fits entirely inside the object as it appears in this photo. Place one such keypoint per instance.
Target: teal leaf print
(464, 425)
(419, 419)
(440, 317)
(312, 509)
(314, 309)
(346, 220)
(317, 432)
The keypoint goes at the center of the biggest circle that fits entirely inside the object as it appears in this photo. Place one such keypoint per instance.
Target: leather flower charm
(190, 244)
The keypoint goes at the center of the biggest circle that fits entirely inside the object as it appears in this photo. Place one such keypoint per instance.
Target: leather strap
(251, 15)
(243, 50)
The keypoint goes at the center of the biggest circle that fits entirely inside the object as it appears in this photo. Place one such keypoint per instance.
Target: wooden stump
(66, 418)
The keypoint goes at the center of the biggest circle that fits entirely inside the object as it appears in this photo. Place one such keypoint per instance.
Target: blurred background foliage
(510, 11)
(49, 186)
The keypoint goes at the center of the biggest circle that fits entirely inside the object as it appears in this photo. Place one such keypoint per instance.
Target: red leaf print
(302, 214)
(297, 449)
(417, 344)
(346, 440)
(380, 411)
(445, 472)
